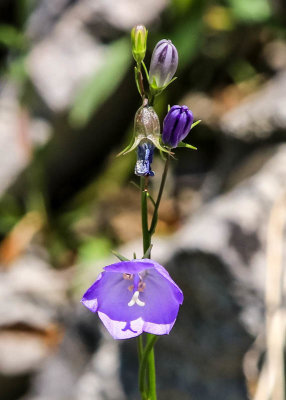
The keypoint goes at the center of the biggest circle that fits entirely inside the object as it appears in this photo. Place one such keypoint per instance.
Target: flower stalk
(147, 361)
(157, 204)
(134, 285)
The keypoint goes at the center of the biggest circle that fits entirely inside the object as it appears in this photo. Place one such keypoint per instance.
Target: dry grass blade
(271, 385)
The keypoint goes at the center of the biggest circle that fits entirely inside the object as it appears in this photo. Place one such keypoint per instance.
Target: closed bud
(176, 125)
(139, 40)
(163, 65)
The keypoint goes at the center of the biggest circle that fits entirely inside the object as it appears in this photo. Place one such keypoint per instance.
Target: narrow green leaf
(119, 256)
(102, 84)
(151, 198)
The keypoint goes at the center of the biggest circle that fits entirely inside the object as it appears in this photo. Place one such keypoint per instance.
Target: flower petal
(121, 329)
(130, 267)
(111, 296)
(177, 291)
(161, 298)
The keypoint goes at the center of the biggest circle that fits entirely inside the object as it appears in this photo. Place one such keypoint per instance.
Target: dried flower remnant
(135, 296)
(144, 159)
(146, 129)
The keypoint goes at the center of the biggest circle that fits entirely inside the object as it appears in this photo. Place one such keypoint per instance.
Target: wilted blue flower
(135, 296)
(177, 125)
(145, 152)
(146, 129)
(164, 63)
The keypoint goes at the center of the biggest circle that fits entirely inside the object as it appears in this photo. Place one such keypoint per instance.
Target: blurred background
(67, 102)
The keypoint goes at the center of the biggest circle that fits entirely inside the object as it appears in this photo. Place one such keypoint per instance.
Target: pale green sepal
(188, 146)
(119, 256)
(196, 123)
(156, 90)
(169, 83)
(130, 147)
(156, 142)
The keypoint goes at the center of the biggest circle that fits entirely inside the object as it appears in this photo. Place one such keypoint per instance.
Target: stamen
(135, 300)
(131, 288)
(141, 286)
(128, 277)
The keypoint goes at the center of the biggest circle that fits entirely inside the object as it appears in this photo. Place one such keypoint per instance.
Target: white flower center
(135, 300)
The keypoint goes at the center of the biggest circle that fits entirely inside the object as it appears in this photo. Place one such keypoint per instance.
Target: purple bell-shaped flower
(135, 296)
(177, 125)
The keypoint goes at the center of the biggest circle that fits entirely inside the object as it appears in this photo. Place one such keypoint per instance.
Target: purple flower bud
(164, 64)
(176, 125)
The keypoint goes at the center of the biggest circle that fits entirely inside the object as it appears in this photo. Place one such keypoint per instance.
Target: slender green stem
(145, 69)
(144, 215)
(148, 359)
(147, 363)
(139, 80)
(151, 340)
(140, 348)
(162, 185)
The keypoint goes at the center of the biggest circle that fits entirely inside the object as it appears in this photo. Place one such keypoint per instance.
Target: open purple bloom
(177, 125)
(135, 296)
(144, 159)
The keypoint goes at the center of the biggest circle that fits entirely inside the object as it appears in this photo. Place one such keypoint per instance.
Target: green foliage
(102, 83)
(17, 69)
(187, 37)
(10, 212)
(93, 249)
(10, 37)
(241, 70)
(251, 10)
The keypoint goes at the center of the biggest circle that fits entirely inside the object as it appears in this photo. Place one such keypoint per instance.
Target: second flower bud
(164, 63)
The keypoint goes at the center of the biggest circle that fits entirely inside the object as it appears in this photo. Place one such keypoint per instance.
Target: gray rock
(260, 114)
(19, 133)
(70, 50)
(31, 295)
(218, 259)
